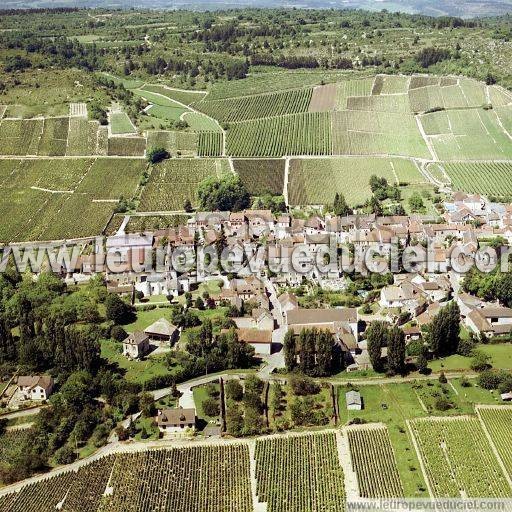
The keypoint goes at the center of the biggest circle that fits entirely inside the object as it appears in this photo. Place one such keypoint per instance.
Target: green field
(199, 122)
(176, 143)
(120, 124)
(179, 95)
(126, 146)
(316, 181)
(174, 181)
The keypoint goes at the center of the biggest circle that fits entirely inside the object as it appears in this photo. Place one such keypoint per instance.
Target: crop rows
(20, 137)
(126, 146)
(54, 138)
(82, 137)
(492, 178)
(316, 181)
(210, 143)
(254, 107)
(374, 462)
(297, 134)
(196, 479)
(300, 473)
(458, 458)
(176, 143)
(174, 181)
(261, 176)
(497, 421)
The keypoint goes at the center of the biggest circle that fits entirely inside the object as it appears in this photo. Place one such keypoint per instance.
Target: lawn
(200, 395)
(121, 124)
(136, 371)
(501, 358)
(146, 318)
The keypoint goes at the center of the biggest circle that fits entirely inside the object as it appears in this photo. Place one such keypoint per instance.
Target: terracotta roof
(176, 417)
(254, 336)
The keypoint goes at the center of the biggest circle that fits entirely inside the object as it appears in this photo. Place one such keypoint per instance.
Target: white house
(136, 345)
(35, 387)
(354, 401)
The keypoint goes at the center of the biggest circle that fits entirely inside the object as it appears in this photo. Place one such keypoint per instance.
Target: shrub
(156, 155)
(117, 333)
(302, 385)
(234, 390)
(442, 404)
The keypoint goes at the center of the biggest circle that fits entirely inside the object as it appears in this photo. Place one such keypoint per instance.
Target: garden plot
(78, 110)
(174, 181)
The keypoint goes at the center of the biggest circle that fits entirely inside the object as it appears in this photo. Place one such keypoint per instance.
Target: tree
(118, 333)
(289, 347)
(147, 405)
(480, 361)
(422, 361)
(416, 203)
(117, 310)
(377, 337)
(155, 155)
(211, 407)
(444, 331)
(7, 344)
(340, 206)
(234, 390)
(303, 385)
(396, 350)
(324, 353)
(234, 419)
(187, 206)
(223, 194)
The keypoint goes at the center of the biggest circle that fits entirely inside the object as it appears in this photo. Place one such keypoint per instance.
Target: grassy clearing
(121, 124)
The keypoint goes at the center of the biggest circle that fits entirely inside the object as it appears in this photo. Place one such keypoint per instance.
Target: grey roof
(353, 398)
(161, 327)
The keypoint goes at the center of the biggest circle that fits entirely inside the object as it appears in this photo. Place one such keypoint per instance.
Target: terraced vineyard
(497, 421)
(311, 479)
(491, 178)
(458, 458)
(374, 462)
(210, 143)
(316, 181)
(254, 107)
(126, 146)
(296, 134)
(177, 143)
(261, 176)
(162, 193)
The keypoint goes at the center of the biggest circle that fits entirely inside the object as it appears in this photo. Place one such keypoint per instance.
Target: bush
(211, 407)
(117, 333)
(480, 362)
(442, 378)
(442, 404)
(65, 455)
(156, 155)
(234, 390)
(302, 385)
(489, 380)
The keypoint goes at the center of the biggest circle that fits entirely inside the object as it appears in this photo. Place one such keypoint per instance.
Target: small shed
(354, 401)
(136, 345)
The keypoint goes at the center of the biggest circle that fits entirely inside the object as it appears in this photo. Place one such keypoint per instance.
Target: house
(354, 401)
(172, 421)
(288, 302)
(162, 331)
(406, 296)
(136, 345)
(260, 340)
(491, 321)
(35, 387)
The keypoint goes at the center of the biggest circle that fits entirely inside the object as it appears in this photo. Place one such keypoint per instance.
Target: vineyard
(261, 176)
(458, 458)
(296, 134)
(174, 181)
(126, 146)
(374, 462)
(210, 143)
(311, 479)
(316, 181)
(491, 178)
(254, 107)
(497, 421)
(36, 213)
(120, 123)
(54, 138)
(176, 143)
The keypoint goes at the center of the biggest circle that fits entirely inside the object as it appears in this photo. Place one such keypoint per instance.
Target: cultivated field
(210, 143)
(491, 178)
(261, 176)
(374, 462)
(179, 95)
(458, 458)
(254, 107)
(497, 421)
(300, 473)
(316, 181)
(174, 181)
(176, 143)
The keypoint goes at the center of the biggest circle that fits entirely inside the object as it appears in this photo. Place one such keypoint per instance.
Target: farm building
(35, 387)
(136, 345)
(354, 401)
(176, 420)
(259, 339)
(162, 331)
